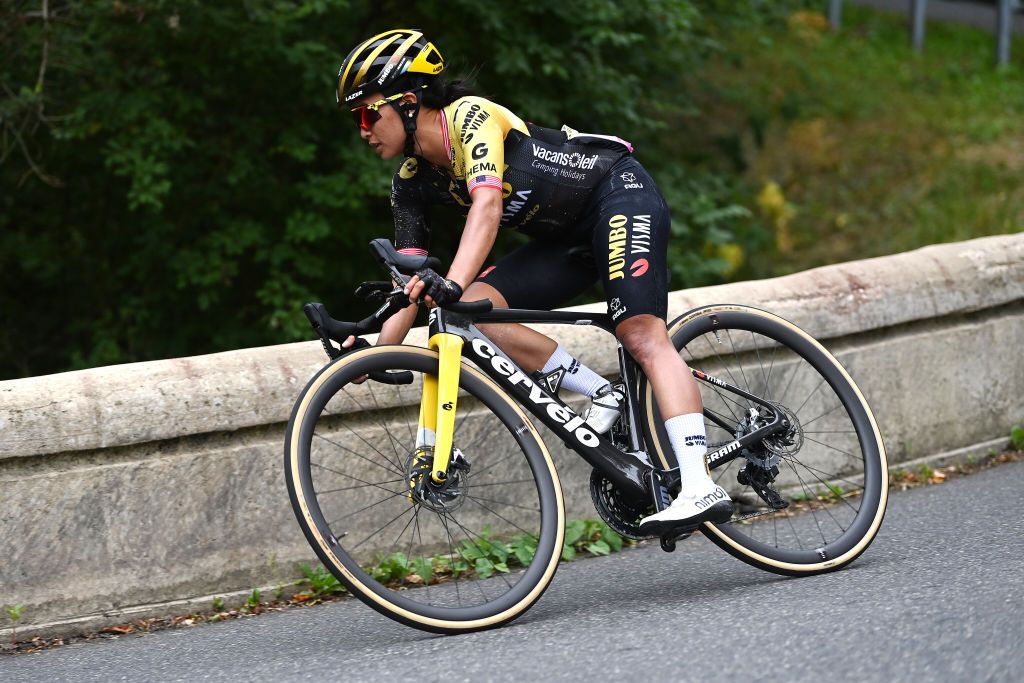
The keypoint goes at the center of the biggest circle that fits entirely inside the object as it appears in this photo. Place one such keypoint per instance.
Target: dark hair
(443, 92)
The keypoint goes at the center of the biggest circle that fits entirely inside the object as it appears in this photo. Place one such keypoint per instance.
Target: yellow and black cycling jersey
(545, 175)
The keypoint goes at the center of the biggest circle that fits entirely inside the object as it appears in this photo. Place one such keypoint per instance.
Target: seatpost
(628, 374)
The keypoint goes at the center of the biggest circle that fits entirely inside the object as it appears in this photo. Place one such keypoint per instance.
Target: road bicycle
(429, 493)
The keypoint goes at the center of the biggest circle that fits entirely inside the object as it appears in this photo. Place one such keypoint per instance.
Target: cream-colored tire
(473, 554)
(833, 473)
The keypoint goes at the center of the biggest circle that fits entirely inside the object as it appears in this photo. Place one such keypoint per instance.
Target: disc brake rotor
(445, 497)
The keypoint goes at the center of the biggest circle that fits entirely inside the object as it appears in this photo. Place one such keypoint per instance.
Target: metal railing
(918, 11)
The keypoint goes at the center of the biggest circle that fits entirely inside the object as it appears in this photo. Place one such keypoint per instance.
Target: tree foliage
(178, 180)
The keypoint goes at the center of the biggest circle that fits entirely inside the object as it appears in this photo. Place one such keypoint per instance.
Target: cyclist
(589, 207)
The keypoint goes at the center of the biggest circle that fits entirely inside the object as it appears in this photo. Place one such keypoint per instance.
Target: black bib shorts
(621, 238)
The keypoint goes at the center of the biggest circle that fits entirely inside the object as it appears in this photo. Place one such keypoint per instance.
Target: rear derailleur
(761, 468)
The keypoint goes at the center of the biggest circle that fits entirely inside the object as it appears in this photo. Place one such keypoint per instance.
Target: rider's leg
(631, 228)
(528, 348)
(700, 499)
(646, 338)
(532, 350)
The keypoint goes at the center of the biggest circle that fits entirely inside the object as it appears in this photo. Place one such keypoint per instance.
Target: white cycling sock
(690, 443)
(578, 377)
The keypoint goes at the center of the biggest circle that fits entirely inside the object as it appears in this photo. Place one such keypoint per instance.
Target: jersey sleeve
(408, 206)
(481, 138)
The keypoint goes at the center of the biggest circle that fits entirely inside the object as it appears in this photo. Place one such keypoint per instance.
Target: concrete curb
(134, 487)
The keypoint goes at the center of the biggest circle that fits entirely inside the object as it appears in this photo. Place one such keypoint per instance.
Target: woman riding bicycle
(589, 207)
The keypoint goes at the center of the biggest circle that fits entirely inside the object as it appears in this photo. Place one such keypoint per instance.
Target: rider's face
(386, 135)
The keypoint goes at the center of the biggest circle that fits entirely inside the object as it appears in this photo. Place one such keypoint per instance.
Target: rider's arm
(397, 326)
(480, 139)
(478, 237)
(412, 236)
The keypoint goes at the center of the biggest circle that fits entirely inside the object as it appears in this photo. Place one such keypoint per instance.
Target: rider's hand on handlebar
(441, 290)
(347, 344)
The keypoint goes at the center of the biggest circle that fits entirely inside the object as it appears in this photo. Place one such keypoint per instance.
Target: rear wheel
(471, 554)
(829, 469)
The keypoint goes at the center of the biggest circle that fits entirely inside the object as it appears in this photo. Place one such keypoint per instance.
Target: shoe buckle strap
(552, 380)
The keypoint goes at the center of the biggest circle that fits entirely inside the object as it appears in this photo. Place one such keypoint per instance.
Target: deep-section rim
(431, 618)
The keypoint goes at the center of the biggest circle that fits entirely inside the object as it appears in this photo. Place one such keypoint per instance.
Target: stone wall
(135, 489)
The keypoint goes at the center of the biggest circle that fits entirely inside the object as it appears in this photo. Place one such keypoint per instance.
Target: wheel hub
(447, 496)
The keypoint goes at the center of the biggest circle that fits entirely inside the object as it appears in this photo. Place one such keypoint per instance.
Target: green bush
(181, 181)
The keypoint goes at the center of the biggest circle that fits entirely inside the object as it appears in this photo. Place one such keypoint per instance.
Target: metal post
(917, 10)
(1003, 25)
(835, 14)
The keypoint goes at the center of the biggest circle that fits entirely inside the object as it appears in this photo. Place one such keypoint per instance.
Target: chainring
(623, 518)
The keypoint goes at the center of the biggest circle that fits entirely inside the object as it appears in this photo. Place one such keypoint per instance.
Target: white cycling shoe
(605, 409)
(706, 502)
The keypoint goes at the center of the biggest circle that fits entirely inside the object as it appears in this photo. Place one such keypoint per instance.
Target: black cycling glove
(441, 290)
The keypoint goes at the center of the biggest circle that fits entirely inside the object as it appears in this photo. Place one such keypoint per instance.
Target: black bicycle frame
(630, 474)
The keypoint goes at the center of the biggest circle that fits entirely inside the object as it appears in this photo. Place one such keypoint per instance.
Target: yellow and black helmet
(387, 63)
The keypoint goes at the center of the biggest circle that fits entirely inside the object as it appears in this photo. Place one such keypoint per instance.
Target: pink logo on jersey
(639, 267)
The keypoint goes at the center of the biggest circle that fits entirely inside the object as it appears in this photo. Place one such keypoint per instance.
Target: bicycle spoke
(371, 505)
(797, 411)
(822, 443)
(451, 555)
(823, 415)
(389, 523)
(408, 423)
(478, 584)
(501, 517)
(363, 485)
(746, 384)
(760, 364)
(387, 431)
(832, 476)
(467, 533)
(395, 467)
(824, 541)
(391, 469)
(505, 503)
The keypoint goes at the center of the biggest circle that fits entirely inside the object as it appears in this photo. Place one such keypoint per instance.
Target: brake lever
(373, 291)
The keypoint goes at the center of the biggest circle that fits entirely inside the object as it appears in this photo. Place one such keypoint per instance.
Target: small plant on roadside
(252, 603)
(14, 614)
(900, 475)
(1017, 438)
(218, 604)
(926, 472)
(483, 556)
(835, 490)
(320, 584)
(592, 535)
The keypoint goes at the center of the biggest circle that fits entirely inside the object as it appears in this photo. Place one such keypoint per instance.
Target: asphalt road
(938, 596)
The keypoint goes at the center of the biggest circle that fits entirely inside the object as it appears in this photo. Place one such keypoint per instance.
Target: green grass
(482, 558)
(876, 149)
(1017, 438)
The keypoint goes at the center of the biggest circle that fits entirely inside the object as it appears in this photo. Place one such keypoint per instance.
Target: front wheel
(828, 470)
(473, 553)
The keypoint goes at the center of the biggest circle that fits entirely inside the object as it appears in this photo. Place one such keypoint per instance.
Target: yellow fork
(437, 407)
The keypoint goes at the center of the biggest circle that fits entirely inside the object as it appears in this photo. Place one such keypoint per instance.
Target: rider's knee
(643, 336)
(482, 290)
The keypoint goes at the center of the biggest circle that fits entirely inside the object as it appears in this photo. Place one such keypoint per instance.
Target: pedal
(668, 541)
